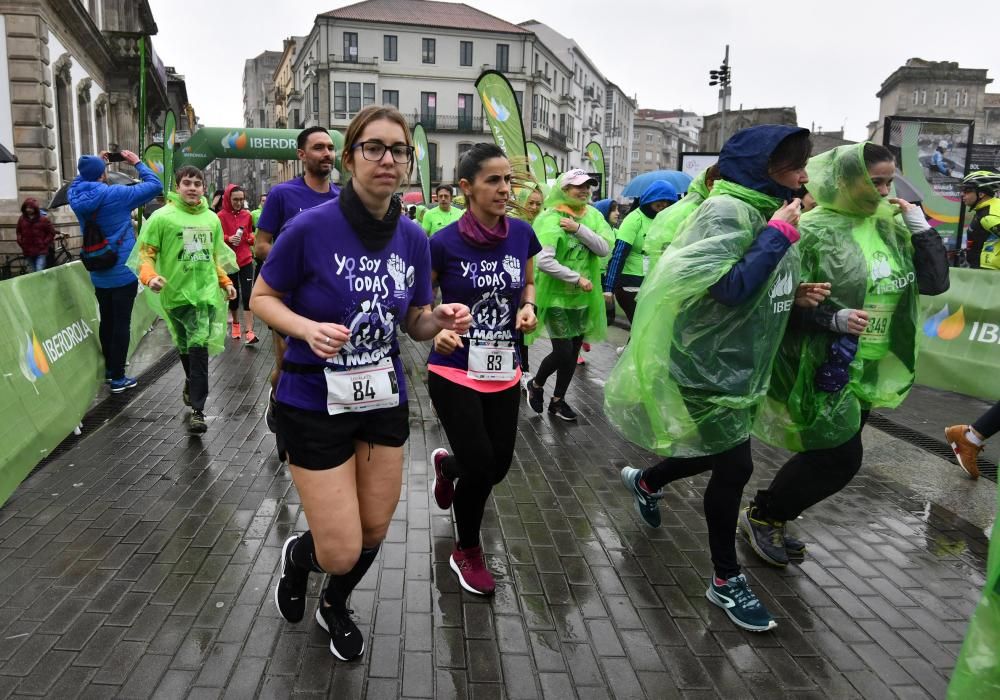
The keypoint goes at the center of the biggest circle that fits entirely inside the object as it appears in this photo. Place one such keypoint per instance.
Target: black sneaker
(536, 397)
(346, 642)
(279, 446)
(561, 409)
(197, 423)
(646, 504)
(766, 537)
(795, 547)
(272, 425)
(186, 394)
(290, 590)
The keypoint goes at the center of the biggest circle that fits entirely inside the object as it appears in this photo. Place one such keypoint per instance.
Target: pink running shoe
(444, 488)
(472, 572)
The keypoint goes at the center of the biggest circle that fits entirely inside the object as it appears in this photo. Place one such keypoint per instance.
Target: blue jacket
(744, 160)
(113, 205)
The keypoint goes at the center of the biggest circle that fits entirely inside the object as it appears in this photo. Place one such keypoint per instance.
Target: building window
(536, 62)
(462, 150)
(649, 156)
(923, 97)
(937, 97)
(649, 138)
(428, 51)
(965, 98)
(519, 97)
(432, 159)
(944, 98)
(464, 111)
(340, 100)
(315, 100)
(391, 97)
(351, 47)
(635, 155)
(353, 97)
(503, 56)
(389, 47)
(367, 94)
(102, 121)
(83, 114)
(64, 119)
(428, 109)
(916, 97)
(464, 53)
(349, 98)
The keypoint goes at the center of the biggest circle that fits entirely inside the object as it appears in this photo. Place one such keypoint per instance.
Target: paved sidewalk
(141, 564)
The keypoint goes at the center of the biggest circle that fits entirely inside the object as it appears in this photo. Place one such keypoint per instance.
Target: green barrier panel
(52, 363)
(960, 335)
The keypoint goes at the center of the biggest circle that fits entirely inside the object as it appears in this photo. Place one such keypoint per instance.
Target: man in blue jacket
(111, 207)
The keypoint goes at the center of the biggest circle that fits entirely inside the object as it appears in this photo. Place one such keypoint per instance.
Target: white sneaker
(619, 350)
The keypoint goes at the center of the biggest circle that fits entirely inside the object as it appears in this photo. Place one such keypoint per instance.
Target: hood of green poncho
(175, 199)
(839, 181)
(557, 197)
(764, 203)
(698, 185)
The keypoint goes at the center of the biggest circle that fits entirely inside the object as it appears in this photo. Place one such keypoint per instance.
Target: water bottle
(239, 235)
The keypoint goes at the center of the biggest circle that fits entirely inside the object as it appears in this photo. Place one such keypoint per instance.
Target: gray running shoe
(766, 537)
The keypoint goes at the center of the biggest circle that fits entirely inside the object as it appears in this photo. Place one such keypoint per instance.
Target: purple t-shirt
(489, 281)
(286, 200)
(327, 275)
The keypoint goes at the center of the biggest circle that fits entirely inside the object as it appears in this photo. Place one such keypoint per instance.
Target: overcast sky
(827, 59)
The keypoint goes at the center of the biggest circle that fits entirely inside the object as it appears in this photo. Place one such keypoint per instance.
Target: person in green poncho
(574, 238)
(707, 326)
(666, 224)
(255, 214)
(444, 214)
(855, 351)
(182, 257)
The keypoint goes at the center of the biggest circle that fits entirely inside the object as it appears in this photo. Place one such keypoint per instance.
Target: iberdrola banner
(536, 161)
(960, 335)
(209, 143)
(596, 156)
(504, 117)
(420, 151)
(169, 140)
(551, 168)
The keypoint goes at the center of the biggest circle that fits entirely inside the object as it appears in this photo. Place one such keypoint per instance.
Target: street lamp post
(722, 78)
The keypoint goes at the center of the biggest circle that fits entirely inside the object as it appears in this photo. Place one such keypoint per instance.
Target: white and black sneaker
(346, 642)
(290, 590)
(561, 409)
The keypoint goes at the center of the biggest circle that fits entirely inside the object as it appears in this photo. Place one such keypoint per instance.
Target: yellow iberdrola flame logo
(944, 324)
(33, 362)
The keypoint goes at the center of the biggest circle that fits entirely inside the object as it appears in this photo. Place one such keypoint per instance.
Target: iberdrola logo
(782, 286)
(945, 325)
(418, 151)
(496, 110)
(532, 157)
(155, 165)
(235, 139)
(34, 364)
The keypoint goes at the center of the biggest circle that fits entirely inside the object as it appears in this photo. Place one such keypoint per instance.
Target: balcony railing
(360, 60)
(547, 133)
(457, 123)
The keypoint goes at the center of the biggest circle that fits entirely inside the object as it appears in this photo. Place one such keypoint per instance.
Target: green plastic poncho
(669, 221)
(184, 245)
(565, 310)
(977, 671)
(690, 379)
(855, 240)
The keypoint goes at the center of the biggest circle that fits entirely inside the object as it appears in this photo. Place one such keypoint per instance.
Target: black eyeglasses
(375, 151)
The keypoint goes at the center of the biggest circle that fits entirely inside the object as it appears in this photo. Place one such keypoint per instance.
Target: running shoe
(279, 447)
(766, 537)
(740, 604)
(444, 488)
(236, 332)
(795, 547)
(585, 347)
(107, 377)
(197, 423)
(525, 378)
(471, 569)
(536, 397)
(186, 393)
(647, 504)
(290, 590)
(117, 386)
(346, 642)
(966, 451)
(561, 409)
(272, 425)
(580, 360)
(252, 338)
(619, 350)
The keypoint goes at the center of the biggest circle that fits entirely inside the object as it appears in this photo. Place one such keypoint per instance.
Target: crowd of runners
(777, 298)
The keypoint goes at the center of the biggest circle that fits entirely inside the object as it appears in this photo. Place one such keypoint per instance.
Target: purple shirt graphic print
(327, 275)
(489, 281)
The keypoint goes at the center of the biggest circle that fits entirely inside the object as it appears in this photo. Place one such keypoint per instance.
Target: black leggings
(195, 363)
(988, 424)
(731, 471)
(482, 429)
(810, 477)
(243, 281)
(562, 362)
(626, 300)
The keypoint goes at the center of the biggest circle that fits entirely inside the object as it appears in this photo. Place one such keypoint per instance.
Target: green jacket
(436, 219)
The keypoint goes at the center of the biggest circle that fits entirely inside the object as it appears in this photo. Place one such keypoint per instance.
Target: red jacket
(36, 234)
(232, 221)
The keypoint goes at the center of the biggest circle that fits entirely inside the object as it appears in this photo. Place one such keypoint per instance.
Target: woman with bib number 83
(340, 282)
(483, 260)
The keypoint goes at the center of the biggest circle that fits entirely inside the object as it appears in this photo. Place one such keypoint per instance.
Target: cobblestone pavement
(141, 564)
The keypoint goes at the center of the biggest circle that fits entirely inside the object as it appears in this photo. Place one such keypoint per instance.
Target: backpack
(96, 253)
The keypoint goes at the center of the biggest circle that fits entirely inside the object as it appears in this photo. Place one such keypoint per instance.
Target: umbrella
(6, 156)
(61, 197)
(674, 177)
(413, 198)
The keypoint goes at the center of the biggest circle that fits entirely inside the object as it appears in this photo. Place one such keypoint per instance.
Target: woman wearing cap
(707, 326)
(574, 238)
(629, 264)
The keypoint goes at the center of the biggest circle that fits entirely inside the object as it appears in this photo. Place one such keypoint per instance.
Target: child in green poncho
(854, 352)
(182, 257)
(574, 238)
(707, 325)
